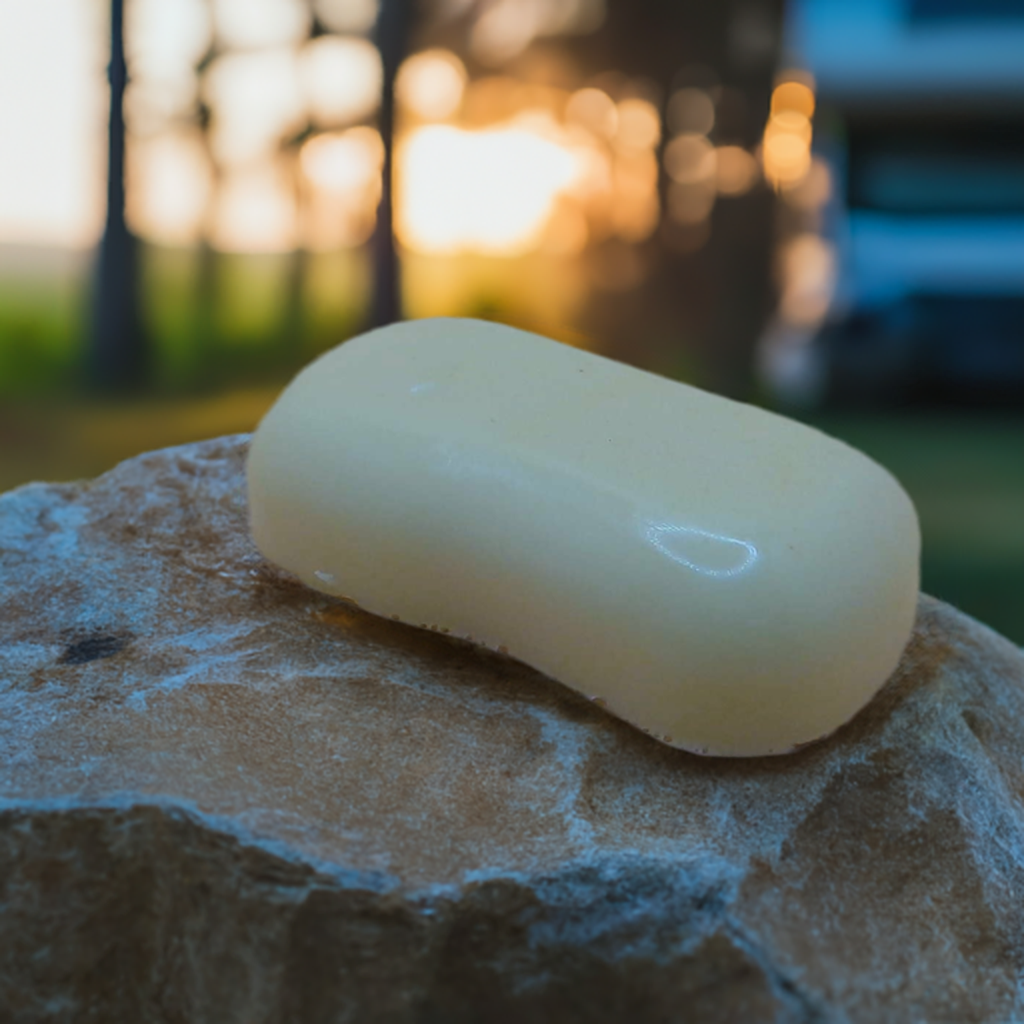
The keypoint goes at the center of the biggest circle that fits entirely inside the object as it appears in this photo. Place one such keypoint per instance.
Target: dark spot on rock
(94, 647)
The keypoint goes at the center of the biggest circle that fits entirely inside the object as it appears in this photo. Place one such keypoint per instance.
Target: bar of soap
(727, 580)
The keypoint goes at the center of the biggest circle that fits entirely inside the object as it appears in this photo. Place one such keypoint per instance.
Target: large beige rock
(227, 798)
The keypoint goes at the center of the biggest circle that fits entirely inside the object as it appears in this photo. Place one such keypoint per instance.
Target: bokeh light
(256, 210)
(163, 44)
(164, 41)
(691, 111)
(430, 84)
(253, 24)
(639, 126)
(793, 96)
(595, 110)
(151, 105)
(355, 16)
(698, 171)
(256, 99)
(341, 79)
(169, 187)
(342, 161)
(807, 270)
(342, 173)
(505, 28)
(490, 191)
(736, 170)
(786, 148)
(689, 159)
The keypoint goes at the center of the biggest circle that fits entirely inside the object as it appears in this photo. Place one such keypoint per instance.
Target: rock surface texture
(227, 798)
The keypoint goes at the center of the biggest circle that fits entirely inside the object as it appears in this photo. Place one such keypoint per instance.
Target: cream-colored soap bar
(730, 581)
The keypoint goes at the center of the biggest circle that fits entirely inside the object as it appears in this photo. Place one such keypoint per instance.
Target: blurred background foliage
(817, 206)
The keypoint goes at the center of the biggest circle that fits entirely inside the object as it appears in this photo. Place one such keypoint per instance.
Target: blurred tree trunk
(391, 35)
(295, 321)
(210, 361)
(117, 354)
(701, 312)
(743, 239)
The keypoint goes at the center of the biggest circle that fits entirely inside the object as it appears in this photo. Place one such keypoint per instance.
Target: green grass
(213, 321)
(43, 303)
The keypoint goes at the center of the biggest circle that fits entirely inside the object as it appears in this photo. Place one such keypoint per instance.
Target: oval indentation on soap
(710, 554)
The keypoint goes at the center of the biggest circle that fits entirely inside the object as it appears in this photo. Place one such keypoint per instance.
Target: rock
(227, 798)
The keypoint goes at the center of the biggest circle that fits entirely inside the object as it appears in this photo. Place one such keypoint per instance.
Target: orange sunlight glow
(786, 148)
(635, 208)
(639, 125)
(567, 232)
(169, 187)
(430, 84)
(491, 191)
(505, 28)
(690, 159)
(342, 173)
(595, 110)
(795, 96)
(807, 272)
(496, 166)
(256, 210)
(736, 170)
(528, 180)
